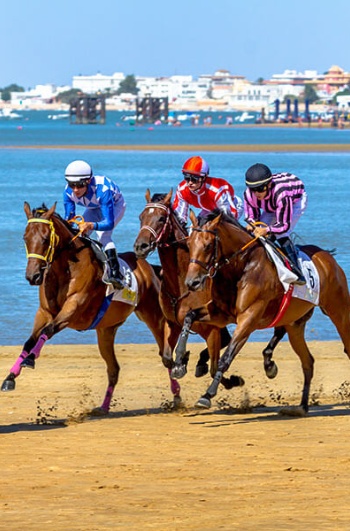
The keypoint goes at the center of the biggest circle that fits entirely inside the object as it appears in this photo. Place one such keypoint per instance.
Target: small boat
(9, 114)
(61, 116)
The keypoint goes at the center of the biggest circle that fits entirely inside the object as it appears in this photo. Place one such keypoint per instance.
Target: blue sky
(49, 42)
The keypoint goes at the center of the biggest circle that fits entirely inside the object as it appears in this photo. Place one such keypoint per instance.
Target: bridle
(54, 239)
(214, 264)
(159, 237)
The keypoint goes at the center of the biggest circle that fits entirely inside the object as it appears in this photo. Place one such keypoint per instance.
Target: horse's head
(155, 221)
(214, 242)
(40, 240)
(203, 247)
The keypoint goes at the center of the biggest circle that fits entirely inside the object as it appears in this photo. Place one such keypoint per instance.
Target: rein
(158, 237)
(212, 268)
(54, 239)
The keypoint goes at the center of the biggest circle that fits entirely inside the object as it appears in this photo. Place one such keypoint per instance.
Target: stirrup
(300, 281)
(117, 283)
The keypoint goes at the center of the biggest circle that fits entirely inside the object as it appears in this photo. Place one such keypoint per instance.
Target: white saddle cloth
(129, 293)
(311, 290)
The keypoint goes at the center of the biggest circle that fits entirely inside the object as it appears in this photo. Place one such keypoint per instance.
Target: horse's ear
(27, 210)
(193, 218)
(216, 220)
(49, 213)
(167, 198)
(148, 195)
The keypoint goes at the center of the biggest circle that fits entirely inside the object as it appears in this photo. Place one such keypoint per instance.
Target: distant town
(218, 91)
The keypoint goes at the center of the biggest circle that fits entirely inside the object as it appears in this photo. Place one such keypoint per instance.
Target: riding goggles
(192, 178)
(260, 189)
(78, 184)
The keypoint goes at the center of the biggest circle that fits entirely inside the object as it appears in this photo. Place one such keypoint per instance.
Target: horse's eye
(162, 219)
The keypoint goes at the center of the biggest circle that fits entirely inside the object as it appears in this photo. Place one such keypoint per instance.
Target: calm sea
(37, 176)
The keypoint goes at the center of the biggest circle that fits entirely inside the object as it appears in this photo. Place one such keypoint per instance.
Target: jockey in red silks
(201, 191)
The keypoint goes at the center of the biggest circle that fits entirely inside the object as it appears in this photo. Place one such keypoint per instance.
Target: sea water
(37, 176)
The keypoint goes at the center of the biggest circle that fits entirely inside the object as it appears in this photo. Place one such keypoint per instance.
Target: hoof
(203, 403)
(28, 362)
(201, 370)
(8, 385)
(177, 401)
(293, 411)
(98, 412)
(178, 371)
(272, 370)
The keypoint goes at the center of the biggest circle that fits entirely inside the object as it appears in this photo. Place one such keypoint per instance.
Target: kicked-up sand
(239, 465)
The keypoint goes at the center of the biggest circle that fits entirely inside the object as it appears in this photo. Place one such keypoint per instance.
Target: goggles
(192, 178)
(78, 184)
(260, 189)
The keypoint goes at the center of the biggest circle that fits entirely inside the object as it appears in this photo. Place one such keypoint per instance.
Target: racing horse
(72, 294)
(246, 290)
(162, 230)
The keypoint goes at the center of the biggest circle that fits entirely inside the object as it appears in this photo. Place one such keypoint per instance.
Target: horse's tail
(158, 270)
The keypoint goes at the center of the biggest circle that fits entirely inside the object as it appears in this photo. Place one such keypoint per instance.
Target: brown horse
(162, 230)
(72, 294)
(246, 290)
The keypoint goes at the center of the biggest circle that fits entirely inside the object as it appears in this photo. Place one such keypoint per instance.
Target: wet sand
(238, 466)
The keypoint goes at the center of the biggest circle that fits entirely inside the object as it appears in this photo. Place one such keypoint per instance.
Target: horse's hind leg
(105, 339)
(296, 334)
(166, 335)
(270, 366)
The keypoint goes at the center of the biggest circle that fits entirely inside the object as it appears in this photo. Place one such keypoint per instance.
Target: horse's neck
(232, 238)
(174, 256)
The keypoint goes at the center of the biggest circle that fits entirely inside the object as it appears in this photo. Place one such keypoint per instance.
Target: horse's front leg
(31, 350)
(245, 326)
(181, 355)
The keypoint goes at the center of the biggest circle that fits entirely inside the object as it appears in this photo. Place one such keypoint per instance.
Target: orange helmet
(196, 166)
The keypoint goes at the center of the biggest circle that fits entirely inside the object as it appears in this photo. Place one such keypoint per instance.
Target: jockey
(278, 200)
(204, 192)
(104, 208)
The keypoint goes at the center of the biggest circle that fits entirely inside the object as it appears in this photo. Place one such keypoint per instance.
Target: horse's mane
(224, 216)
(39, 211)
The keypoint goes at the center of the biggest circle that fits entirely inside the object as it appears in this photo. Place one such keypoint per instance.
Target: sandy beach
(240, 465)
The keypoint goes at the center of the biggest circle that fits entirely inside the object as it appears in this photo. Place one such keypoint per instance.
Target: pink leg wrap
(108, 398)
(174, 385)
(16, 368)
(39, 345)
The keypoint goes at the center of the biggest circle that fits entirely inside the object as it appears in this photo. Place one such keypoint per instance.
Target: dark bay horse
(246, 290)
(72, 293)
(162, 230)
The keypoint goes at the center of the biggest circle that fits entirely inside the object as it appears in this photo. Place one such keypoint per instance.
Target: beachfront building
(39, 95)
(97, 83)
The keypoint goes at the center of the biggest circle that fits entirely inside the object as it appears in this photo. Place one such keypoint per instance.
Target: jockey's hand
(249, 228)
(86, 227)
(260, 232)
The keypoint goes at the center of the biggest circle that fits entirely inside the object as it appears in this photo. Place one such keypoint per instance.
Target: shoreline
(234, 148)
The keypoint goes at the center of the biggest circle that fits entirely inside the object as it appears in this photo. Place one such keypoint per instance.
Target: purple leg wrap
(16, 368)
(108, 398)
(39, 345)
(174, 385)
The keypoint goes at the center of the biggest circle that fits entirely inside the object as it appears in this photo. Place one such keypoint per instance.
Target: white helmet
(78, 171)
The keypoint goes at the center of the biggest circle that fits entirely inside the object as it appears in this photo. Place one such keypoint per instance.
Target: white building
(98, 83)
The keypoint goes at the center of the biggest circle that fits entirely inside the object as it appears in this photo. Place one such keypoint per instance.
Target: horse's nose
(193, 283)
(142, 249)
(35, 280)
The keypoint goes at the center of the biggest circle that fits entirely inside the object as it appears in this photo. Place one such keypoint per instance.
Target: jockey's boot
(291, 253)
(115, 277)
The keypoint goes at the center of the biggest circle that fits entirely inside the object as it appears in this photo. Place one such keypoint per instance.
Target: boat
(9, 114)
(244, 117)
(61, 116)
